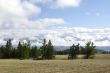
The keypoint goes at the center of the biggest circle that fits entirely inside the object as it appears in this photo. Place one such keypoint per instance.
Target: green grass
(101, 64)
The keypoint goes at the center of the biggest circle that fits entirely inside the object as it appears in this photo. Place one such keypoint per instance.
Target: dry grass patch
(56, 66)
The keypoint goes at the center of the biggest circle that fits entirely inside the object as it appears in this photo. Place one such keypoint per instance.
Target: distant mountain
(61, 48)
(99, 48)
(105, 48)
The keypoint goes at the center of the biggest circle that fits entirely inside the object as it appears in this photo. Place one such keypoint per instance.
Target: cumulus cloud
(16, 23)
(40, 1)
(18, 7)
(67, 3)
(59, 3)
(66, 37)
(14, 14)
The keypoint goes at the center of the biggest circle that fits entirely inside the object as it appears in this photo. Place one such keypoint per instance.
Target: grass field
(101, 64)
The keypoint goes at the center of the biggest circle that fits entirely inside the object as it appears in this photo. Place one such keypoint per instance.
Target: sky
(62, 21)
(87, 13)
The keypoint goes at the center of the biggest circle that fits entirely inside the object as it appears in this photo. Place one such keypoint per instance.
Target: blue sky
(90, 13)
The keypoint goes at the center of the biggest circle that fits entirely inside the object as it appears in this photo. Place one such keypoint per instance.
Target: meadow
(101, 64)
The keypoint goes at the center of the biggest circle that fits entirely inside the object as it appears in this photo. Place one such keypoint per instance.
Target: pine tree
(8, 49)
(47, 50)
(89, 50)
(19, 50)
(24, 50)
(44, 49)
(14, 53)
(27, 49)
(2, 52)
(34, 52)
(50, 50)
(73, 52)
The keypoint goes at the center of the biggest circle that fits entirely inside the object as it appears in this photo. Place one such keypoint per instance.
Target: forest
(46, 51)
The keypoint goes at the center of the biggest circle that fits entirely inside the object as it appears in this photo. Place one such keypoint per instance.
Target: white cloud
(51, 21)
(59, 3)
(40, 1)
(14, 14)
(23, 23)
(2, 42)
(30, 8)
(60, 36)
(18, 7)
(67, 3)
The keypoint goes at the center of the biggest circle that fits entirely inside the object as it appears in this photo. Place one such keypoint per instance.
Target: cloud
(15, 23)
(51, 21)
(18, 7)
(67, 3)
(23, 23)
(58, 3)
(67, 36)
(30, 9)
(40, 1)
(63, 36)
(14, 14)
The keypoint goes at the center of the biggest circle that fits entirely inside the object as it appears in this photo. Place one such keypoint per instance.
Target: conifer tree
(50, 50)
(89, 50)
(8, 49)
(44, 49)
(2, 52)
(73, 52)
(20, 50)
(34, 52)
(14, 53)
(47, 50)
(24, 50)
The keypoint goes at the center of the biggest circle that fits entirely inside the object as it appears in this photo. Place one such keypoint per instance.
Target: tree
(89, 50)
(8, 49)
(47, 50)
(2, 52)
(44, 49)
(20, 50)
(34, 52)
(23, 50)
(14, 53)
(50, 50)
(73, 52)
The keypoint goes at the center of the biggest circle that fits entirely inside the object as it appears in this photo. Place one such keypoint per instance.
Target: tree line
(46, 51)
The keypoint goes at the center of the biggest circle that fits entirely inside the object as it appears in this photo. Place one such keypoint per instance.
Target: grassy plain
(101, 64)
